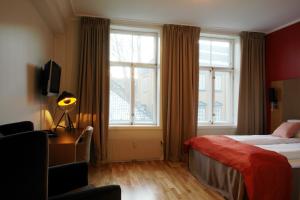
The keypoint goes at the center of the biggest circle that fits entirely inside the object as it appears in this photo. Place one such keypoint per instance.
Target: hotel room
(150, 100)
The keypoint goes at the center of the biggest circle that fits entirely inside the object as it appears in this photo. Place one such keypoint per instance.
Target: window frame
(213, 69)
(139, 65)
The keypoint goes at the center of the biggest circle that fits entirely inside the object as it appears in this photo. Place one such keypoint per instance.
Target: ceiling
(224, 15)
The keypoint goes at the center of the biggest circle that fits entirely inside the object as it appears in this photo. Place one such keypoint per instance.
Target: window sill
(217, 126)
(134, 127)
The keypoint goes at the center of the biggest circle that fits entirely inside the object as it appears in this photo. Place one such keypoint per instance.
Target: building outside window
(202, 81)
(133, 77)
(218, 82)
(202, 111)
(219, 115)
(217, 74)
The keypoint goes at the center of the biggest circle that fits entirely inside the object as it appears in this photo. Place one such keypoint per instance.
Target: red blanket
(267, 174)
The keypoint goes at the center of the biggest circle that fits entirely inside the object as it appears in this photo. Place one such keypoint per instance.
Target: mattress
(263, 139)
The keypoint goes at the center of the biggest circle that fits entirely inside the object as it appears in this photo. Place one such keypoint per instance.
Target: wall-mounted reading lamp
(273, 98)
(66, 101)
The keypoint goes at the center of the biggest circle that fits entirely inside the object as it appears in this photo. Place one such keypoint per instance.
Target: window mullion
(155, 97)
(132, 94)
(210, 52)
(212, 94)
(232, 96)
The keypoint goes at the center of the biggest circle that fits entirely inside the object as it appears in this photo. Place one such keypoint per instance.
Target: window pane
(120, 47)
(220, 53)
(223, 97)
(120, 95)
(205, 55)
(145, 96)
(203, 80)
(204, 104)
(144, 49)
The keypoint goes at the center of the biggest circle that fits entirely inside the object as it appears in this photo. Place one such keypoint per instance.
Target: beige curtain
(252, 105)
(93, 88)
(180, 74)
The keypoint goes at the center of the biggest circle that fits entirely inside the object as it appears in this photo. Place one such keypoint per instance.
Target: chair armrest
(64, 178)
(110, 192)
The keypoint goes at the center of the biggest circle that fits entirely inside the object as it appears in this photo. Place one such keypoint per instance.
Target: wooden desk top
(65, 136)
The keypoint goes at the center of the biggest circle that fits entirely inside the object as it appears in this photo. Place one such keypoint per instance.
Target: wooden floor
(153, 180)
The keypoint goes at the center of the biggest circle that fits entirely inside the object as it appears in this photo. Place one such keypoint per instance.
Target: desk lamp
(66, 102)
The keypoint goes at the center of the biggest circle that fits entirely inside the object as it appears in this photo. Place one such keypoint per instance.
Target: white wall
(25, 43)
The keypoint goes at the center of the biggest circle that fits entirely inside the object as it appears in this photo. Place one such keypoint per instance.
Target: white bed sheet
(263, 139)
(288, 147)
(290, 151)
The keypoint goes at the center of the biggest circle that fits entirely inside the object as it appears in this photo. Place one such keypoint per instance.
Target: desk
(62, 149)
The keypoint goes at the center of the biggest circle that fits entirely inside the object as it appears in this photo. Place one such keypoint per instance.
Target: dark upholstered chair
(24, 173)
(18, 127)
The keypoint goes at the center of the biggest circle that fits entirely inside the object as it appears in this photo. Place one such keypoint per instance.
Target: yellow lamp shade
(66, 99)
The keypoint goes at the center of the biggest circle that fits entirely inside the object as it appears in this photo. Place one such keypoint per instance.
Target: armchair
(17, 127)
(24, 173)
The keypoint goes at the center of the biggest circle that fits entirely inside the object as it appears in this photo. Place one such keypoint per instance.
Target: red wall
(282, 55)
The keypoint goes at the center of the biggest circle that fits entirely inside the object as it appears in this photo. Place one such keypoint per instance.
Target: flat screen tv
(50, 79)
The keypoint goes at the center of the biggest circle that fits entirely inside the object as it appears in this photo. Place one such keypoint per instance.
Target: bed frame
(226, 180)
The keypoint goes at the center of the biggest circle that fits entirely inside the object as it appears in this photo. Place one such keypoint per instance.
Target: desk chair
(83, 145)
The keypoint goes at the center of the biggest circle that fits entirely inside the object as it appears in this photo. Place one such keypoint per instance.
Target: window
(202, 79)
(217, 77)
(133, 77)
(202, 111)
(218, 82)
(218, 111)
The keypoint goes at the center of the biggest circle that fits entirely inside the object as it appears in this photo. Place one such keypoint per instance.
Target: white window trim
(231, 51)
(132, 65)
(234, 66)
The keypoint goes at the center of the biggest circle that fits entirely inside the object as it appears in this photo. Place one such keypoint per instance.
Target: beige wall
(124, 143)
(140, 143)
(288, 96)
(66, 53)
(216, 130)
(25, 43)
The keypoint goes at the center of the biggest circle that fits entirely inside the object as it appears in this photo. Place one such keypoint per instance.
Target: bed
(228, 181)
